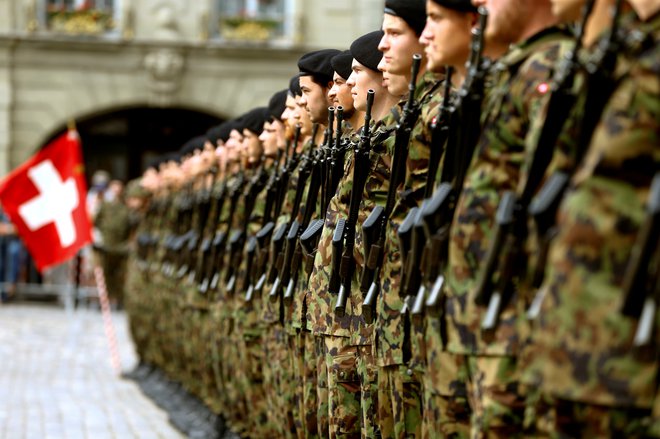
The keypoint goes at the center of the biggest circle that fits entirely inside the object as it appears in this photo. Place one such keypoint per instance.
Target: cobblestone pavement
(57, 381)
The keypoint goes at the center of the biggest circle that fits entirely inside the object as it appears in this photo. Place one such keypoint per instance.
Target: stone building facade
(85, 61)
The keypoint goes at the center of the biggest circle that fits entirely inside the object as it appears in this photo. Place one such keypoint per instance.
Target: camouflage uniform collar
(517, 53)
(639, 35)
(426, 85)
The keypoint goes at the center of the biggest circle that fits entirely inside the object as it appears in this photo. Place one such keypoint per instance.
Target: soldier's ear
(473, 19)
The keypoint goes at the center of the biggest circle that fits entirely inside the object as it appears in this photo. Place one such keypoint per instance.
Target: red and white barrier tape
(107, 319)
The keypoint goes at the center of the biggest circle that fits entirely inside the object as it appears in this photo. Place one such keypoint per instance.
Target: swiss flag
(45, 199)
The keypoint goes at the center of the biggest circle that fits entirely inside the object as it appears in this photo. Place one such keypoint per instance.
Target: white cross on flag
(45, 199)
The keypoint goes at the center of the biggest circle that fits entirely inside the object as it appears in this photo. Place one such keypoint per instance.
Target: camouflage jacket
(271, 311)
(389, 322)
(247, 313)
(321, 318)
(519, 93)
(113, 222)
(582, 345)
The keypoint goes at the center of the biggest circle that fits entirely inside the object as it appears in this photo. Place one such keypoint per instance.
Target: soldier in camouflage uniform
(279, 366)
(399, 397)
(346, 370)
(287, 339)
(519, 84)
(246, 325)
(274, 143)
(137, 281)
(113, 223)
(446, 412)
(593, 381)
(315, 81)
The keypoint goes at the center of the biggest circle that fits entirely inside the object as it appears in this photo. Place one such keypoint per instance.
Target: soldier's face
(361, 81)
(506, 20)
(301, 117)
(269, 139)
(252, 146)
(280, 136)
(340, 95)
(399, 44)
(315, 99)
(287, 116)
(221, 155)
(233, 145)
(446, 36)
(567, 10)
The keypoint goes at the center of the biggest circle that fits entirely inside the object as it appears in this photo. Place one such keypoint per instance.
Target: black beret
(458, 5)
(174, 156)
(294, 86)
(219, 132)
(342, 64)
(277, 104)
(365, 49)
(317, 64)
(254, 119)
(154, 163)
(412, 12)
(191, 145)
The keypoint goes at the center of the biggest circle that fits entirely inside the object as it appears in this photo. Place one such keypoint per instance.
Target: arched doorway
(124, 141)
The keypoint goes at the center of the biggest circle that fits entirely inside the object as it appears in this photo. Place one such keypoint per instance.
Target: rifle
(237, 240)
(264, 235)
(347, 229)
(336, 162)
(377, 224)
(308, 210)
(331, 171)
(207, 247)
(259, 249)
(210, 223)
(462, 127)
(506, 250)
(416, 270)
(185, 232)
(640, 282)
(599, 86)
(288, 232)
(324, 156)
(203, 206)
(220, 238)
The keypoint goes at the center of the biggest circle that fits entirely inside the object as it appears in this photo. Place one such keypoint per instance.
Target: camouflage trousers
(495, 397)
(251, 377)
(229, 354)
(399, 402)
(139, 313)
(213, 347)
(556, 418)
(277, 381)
(445, 405)
(347, 388)
(304, 381)
(654, 430)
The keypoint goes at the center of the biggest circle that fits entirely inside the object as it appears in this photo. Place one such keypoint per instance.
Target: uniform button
(409, 372)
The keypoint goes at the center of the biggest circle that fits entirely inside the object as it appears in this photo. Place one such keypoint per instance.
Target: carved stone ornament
(165, 68)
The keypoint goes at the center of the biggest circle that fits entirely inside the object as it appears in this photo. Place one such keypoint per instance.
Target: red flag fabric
(45, 199)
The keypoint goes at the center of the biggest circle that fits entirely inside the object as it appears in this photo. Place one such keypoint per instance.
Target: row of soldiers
(448, 230)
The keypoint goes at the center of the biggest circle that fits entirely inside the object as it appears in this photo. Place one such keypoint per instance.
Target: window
(255, 20)
(80, 17)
